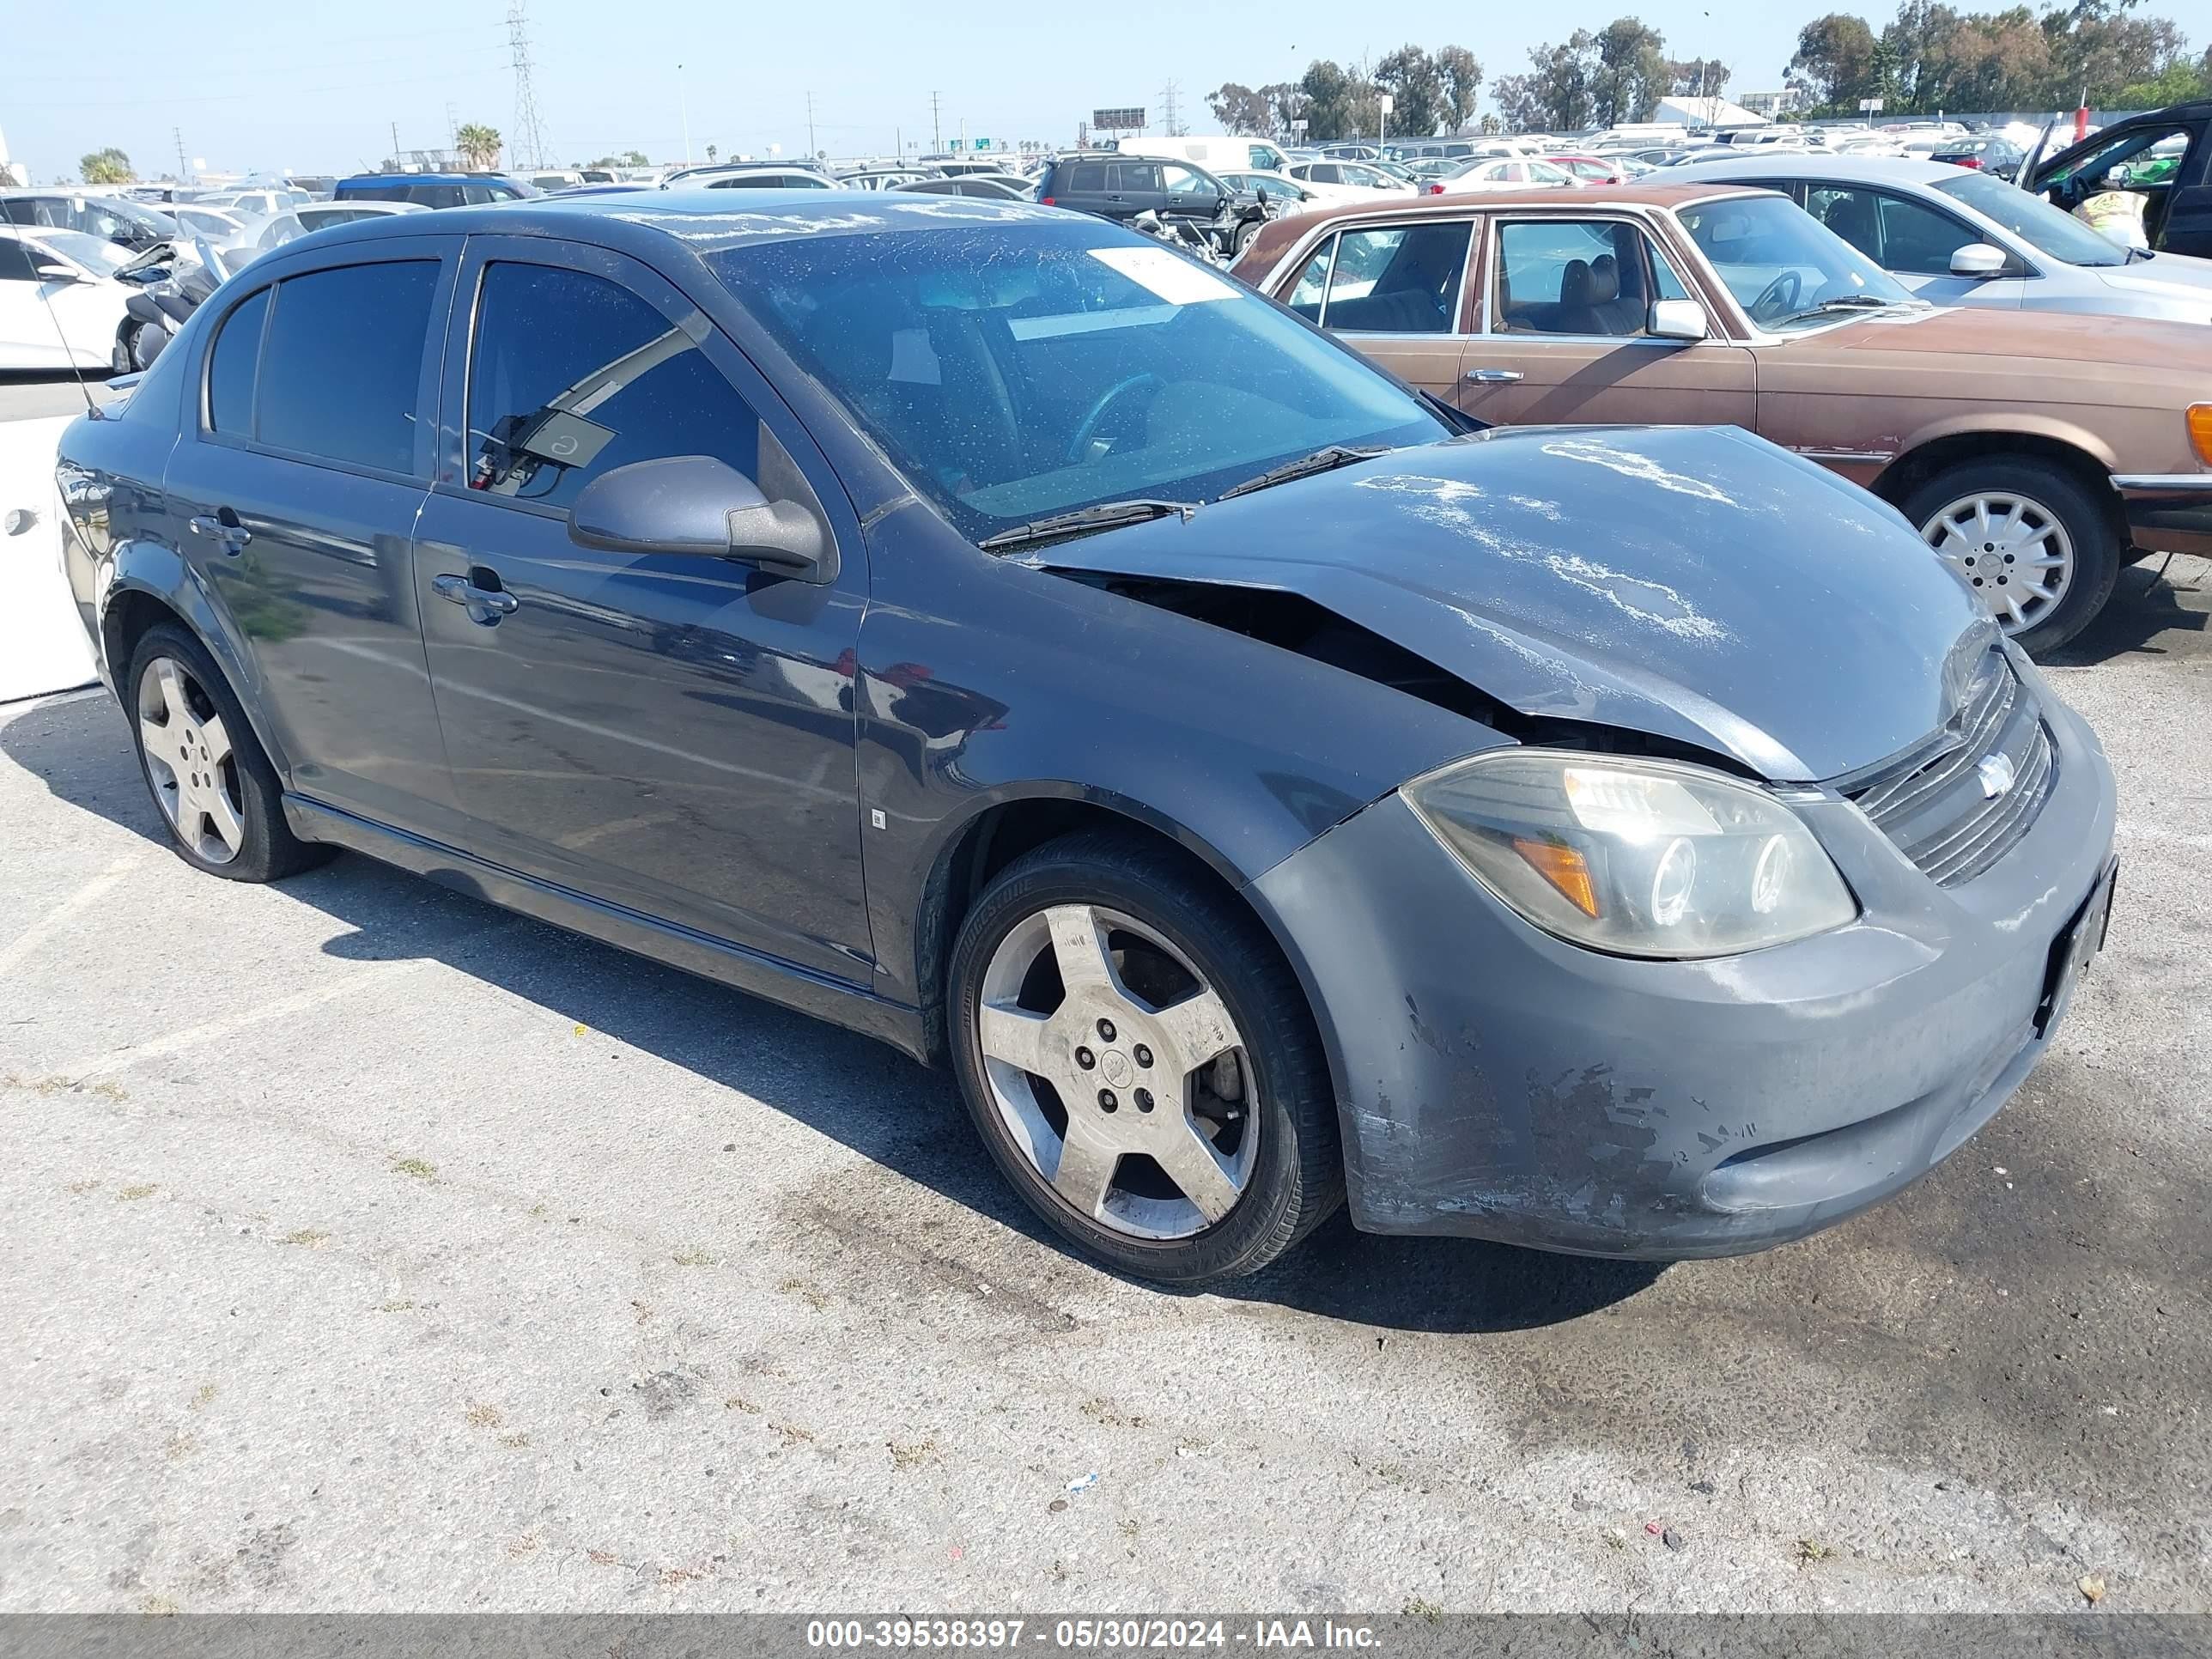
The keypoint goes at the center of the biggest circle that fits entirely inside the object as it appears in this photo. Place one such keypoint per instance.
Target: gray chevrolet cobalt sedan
(987, 628)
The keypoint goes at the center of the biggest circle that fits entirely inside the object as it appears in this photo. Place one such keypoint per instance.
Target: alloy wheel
(1118, 1073)
(189, 761)
(2012, 550)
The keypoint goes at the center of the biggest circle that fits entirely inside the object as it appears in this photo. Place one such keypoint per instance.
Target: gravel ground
(378, 1249)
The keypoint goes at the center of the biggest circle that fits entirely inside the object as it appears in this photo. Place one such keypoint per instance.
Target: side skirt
(709, 957)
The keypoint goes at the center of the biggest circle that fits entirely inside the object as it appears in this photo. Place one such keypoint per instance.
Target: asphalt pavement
(377, 1249)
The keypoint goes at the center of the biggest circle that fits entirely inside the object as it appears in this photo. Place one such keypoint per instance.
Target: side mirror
(699, 506)
(1977, 260)
(1677, 319)
(57, 274)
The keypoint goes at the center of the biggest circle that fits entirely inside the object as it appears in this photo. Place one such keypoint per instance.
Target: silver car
(1960, 237)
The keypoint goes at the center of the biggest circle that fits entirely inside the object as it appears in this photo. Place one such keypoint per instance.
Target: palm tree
(478, 145)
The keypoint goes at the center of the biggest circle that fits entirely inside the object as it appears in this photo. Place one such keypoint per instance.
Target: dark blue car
(434, 190)
(988, 629)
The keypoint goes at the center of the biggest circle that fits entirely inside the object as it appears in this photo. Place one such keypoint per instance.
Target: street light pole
(683, 104)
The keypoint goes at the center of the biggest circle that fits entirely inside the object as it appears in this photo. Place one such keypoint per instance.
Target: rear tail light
(1048, 201)
(1973, 161)
(1436, 190)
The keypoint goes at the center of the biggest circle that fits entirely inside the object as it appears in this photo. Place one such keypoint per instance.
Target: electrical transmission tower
(527, 150)
(1171, 110)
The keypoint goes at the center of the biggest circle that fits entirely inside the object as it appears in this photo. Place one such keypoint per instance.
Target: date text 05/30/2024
(1166, 1635)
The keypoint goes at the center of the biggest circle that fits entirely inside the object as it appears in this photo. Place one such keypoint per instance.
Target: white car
(218, 224)
(1346, 181)
(1517, 172)
(262, 200)
(316, 215)
(60, 305)
(749, 175)
(1958, 236)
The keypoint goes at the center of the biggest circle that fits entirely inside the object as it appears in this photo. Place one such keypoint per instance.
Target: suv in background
(434, 190)
(1120, 187)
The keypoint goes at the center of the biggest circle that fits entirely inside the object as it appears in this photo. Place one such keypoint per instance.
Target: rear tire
(217, 794)
(1989, 517)
(1141, 1063)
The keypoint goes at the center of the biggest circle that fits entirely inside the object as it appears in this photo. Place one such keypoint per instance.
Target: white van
(1243, 154)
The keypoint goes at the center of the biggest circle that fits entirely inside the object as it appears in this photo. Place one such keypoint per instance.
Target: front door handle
(485, 604)
(223, 525)
(1492, 376)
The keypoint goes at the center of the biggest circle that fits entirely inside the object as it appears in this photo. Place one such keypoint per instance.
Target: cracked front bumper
(1495, 1081)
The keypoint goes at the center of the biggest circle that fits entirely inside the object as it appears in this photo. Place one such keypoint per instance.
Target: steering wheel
(1778, 298)
(1095, 417)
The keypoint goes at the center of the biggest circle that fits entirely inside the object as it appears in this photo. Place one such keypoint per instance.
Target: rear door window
(1577, 277)
(1397, 279)
(342, 363)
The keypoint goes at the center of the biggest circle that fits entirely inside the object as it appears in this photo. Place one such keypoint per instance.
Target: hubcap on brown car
(2014, 551)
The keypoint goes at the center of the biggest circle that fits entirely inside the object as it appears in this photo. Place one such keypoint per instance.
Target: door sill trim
(837, 1002)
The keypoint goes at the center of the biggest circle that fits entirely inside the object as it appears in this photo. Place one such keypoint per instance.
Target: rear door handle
(1492, 376)
(223, 526)
(485, 604)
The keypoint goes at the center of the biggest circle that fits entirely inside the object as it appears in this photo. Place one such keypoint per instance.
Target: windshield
(94, 253)
(2033, 220)
(1014, 371)
(1785, 267)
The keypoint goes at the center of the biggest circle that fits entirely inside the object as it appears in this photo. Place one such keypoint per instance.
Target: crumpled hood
(1695, 583)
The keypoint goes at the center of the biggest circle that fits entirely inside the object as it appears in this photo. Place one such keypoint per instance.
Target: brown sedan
(2035, 451)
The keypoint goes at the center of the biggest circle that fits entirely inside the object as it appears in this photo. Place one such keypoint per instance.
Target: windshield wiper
(1106, 515)
(1851, 302)
(1321, 461)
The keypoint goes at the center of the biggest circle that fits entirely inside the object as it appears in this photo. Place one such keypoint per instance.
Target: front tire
(1141, 1063)
(2039, 552)
(217, 793)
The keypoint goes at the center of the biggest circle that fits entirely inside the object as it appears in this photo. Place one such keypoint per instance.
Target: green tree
(478, 145)
(1630, 74)
(107, 166)
(1835, 65)
(1241, 110)
(1460, 75)
(1286, 101)
(1696, 77)
(635, 158)
(1410, 76)
(1556, 91)
(1339, 103)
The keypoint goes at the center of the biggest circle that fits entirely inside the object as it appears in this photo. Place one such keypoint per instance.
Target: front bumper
(1495, 1081)
(2168, 513)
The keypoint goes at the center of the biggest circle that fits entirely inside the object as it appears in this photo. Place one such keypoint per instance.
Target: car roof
(1280, 234)
(422, 179)
(702, 220)
(1863, 169)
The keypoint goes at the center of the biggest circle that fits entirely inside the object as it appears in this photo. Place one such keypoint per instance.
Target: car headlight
(1637, 857)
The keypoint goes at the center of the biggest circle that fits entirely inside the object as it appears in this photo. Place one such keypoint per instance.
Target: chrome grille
(1933, 804)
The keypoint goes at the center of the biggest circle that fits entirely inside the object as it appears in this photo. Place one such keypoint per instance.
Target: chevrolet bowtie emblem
(1997, 775)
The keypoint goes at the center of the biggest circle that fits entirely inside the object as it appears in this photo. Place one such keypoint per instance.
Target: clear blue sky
(256, 85)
